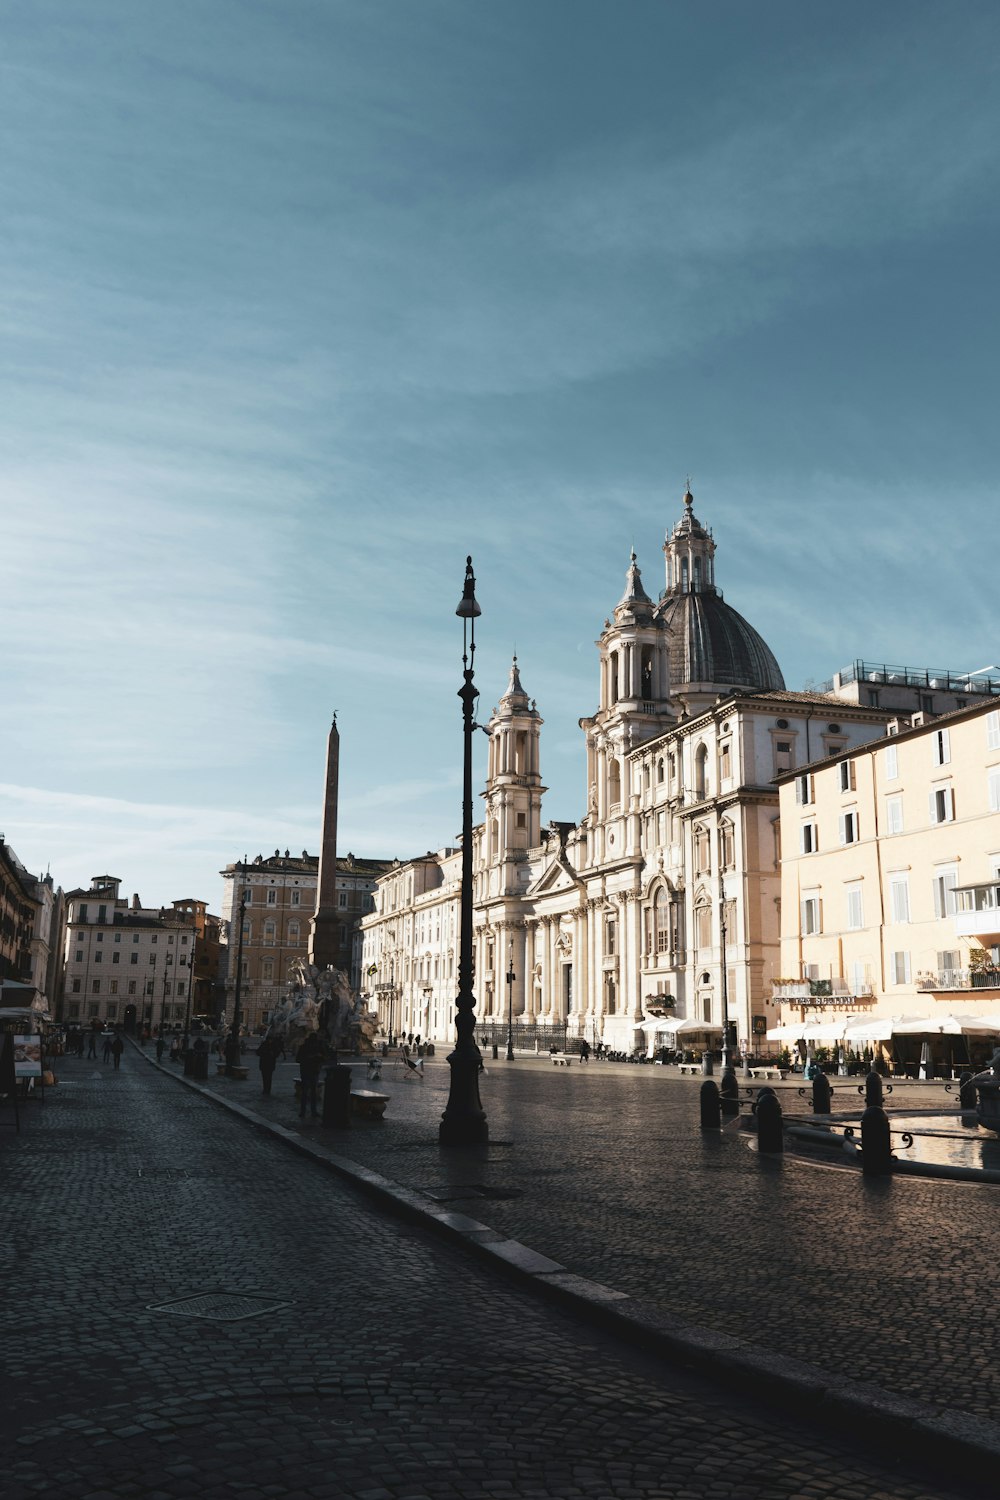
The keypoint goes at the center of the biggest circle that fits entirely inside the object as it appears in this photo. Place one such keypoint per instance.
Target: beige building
(126, 964)
(281, 900)
(890, 872)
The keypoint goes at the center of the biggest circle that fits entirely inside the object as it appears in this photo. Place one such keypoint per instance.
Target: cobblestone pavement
(379, 1364)
(603, 1167)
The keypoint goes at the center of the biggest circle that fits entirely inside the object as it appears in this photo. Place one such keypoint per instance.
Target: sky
(304, 302)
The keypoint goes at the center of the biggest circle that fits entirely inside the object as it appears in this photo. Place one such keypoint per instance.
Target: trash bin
(706, 1064)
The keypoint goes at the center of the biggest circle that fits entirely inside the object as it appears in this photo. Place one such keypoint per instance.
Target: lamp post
(233, 1055)
(163, 1001)
(511, 976)
(190, 988)
(464, 1120)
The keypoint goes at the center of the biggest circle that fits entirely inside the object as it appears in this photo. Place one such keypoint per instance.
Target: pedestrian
(117, 1048)
(175, 1049)
(160, 1046)
(107, 1045)
(585, 1050)
(267, 1057)
(92, 1043)
(310, 1062)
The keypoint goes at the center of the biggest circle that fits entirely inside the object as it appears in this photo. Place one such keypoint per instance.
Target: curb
(947, 1441)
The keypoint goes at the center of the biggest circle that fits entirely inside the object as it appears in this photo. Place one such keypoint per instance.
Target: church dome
(710, 643)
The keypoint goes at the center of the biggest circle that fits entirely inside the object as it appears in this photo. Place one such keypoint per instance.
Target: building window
(180, 987)
(808, 838)
(269, 930)
(782, 755)
(296, 897)
(702, 849)
(727, 845)
(342, 899)
(113, 987)
(942, 747)
(152, 959)
(74, 1010)
(891, 762)
(95, 986)
(116, 958)
(855, 908)
(944, 893)
(272, 896)
(993, 730)
(812, 914)
(118, 937)
(942, 805)
(93, 1009)
(899, 894)
(610, 937)
(83, 911)
(900, 968)
(133, 958)
(149, 986)
(153, 938)
(894, 814)
(79, 955)
(98, 956)
(726, 760)
(77, 986)
(661, 921)
(849, 827)
(847, 776)
(135, 937)
(131, 986)
(701, 772)
(804, 790)
(703, 925)
(993, 787)
(659, 771)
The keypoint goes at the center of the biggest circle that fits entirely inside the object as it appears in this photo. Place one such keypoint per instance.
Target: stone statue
(321, 1000)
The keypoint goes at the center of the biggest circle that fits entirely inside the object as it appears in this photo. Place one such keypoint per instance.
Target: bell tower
(514, 787)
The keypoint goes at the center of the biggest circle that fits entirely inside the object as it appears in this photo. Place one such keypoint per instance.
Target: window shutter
(932, 806)
(843, 828)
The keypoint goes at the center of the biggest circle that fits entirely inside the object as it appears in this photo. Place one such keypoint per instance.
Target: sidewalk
(843, 1294)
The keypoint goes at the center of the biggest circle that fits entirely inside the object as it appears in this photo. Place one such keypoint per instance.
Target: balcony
(977, 911)
(821, 992)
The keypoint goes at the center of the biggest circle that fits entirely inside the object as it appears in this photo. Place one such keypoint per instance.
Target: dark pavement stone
(402, 1367)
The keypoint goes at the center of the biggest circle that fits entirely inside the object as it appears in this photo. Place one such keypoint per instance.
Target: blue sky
(302, 302)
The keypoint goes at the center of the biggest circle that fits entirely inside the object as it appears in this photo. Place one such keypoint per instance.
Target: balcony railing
(942, 678)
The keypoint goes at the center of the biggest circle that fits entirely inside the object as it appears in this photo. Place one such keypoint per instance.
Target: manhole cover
(218, 1307)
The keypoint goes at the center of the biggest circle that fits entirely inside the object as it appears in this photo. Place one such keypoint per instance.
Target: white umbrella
(950, 1025)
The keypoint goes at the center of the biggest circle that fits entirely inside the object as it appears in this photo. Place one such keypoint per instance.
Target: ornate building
(612, 926)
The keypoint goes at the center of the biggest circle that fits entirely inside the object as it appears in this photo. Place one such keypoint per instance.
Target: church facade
(658, 913)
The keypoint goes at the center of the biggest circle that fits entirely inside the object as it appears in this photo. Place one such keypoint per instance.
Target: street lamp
(233, 1056)
(464, 1120)
(511, 976)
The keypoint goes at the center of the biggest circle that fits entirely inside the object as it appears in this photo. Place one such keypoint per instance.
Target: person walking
(160, 1046)
(117, 1048)
(92, 1043)
(310, 1062)
(585, 1050)
(267, 1057)
(175, 1049)
(107, 1045)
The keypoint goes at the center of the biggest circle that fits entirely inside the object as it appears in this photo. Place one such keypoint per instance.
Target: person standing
(267, 1057)
(92, 1043)
(160, 1045)
(117, 1048)
(310, 1062)
(107, 1045)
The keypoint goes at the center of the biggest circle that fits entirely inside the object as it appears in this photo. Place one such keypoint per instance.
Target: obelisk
(324, 944)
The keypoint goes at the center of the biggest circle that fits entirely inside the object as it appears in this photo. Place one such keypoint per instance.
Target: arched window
(684, 575)
(703, 924)
(610, 994)
(614, 783)
(659, 771)
(614, 676)
(697, 575)
(702, 849)
(661, 921)
(701, 772)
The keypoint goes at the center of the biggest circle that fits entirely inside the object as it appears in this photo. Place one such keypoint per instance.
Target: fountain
(987, 1086)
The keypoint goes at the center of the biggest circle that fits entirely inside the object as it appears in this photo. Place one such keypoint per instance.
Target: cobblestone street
(377, 1362)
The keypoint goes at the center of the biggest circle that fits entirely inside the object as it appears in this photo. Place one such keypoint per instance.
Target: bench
(767, 1073)
(689, 1067)
(368, 1103)
(561, 1058)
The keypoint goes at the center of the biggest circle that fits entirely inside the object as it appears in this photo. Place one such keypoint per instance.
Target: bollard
(872, 1090)
(770, 1129)
(496, 1051)
(730, 1090)
(337, 1097)
(711, 1111)
(706, 1064)
(876, 1148)
(966, 1092)
(821, 1093)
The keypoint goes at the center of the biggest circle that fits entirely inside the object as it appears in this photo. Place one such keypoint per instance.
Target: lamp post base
(464, 1120)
